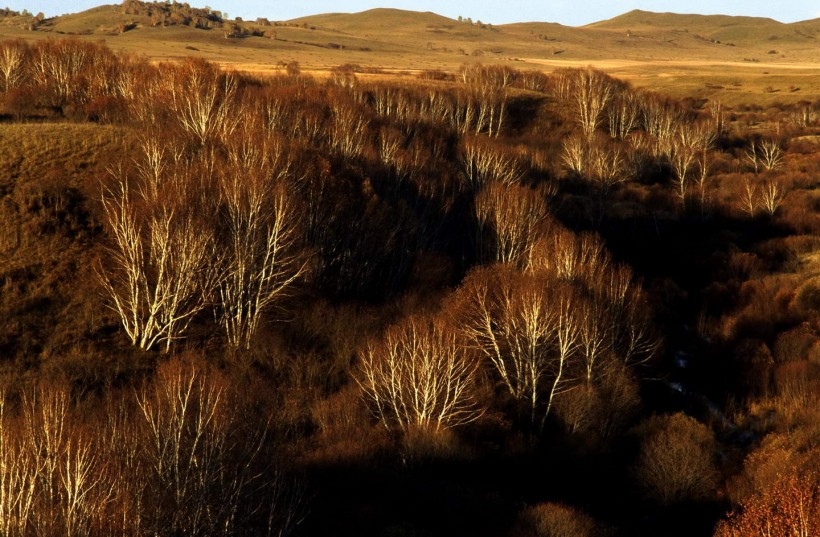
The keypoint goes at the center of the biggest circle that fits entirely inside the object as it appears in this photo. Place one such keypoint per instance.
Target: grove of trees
(510, 303)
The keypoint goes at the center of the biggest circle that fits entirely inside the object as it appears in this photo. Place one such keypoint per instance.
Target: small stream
(677, 384)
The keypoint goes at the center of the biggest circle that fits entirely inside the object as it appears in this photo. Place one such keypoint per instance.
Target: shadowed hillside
(492, 302)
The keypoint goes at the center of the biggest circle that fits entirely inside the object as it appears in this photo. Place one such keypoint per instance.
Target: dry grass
(50, 179)
(27, 150)
(732, 59)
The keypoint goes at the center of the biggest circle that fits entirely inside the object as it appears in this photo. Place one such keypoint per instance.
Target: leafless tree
(481, 162)
(753, 156)
(772, 194)
(702, 178)
(718, 118)
(606, 165)
(676, 461)
(595, 159)
(512, 219)
(488, 86)
(12, 63)
(567, 335)
(160, 270)
(805, 115)
(199, 472)
(201, 99)
(691, 142)
(510, 320)
(748, 197)
(574, 154)
(349, 132)
(19, 474)
(624, 114)
(637, 341)
(661, 119)
(59, 68)
(420, 375)
(590, 91)
(60, 490)
(595, 334)
(770, 153)
(261, 232)
(568, 256)
(390, 141)
(683, 156)
(525, 325)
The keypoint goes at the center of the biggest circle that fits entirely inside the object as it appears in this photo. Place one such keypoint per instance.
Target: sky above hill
(568, 12)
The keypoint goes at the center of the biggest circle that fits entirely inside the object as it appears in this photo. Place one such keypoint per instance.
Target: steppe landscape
(395, 274)
(716, 57)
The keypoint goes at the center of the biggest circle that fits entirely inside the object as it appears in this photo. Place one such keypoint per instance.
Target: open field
(736, 60)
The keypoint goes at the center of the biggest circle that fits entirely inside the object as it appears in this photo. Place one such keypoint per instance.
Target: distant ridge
(724, 28)
(397, 19)
(639, 17)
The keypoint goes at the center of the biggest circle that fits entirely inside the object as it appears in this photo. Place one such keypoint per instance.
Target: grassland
(734, 59)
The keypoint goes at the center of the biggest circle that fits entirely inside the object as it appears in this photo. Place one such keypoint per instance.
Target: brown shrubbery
(676, 460)
(448, 269)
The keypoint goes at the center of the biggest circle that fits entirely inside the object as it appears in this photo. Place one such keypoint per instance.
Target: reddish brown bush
(676, 461)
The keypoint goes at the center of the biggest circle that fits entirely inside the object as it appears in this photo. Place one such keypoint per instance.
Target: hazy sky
(569, 12)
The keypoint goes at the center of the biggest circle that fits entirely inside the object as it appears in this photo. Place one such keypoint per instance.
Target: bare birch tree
(682, 158)
(488, 90)
(482, 162)
(590, 91)
(595, 334)
(624, 114)
(59, 67)
(661, 119)
(772, 194)
(161, 266)
(771, 153)
(525, 327)
(201, 99)
(748, 199)
(12, 63)
(261, 235)
(512, 219)
(420, 375)
(567, 334)
(574, 154)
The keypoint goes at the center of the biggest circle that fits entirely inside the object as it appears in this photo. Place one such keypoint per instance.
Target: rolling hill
(746, 32)
(433, 40)
(656, 49)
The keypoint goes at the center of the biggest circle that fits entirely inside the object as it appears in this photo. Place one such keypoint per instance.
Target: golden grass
(677, 54)
(28, 150)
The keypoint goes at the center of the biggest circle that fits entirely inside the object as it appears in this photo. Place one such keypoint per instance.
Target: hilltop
(747, 32)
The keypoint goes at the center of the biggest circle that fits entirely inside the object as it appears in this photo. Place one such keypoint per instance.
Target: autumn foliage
(490, 303)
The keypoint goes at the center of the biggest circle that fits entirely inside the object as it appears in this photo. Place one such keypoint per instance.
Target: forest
(491, 302)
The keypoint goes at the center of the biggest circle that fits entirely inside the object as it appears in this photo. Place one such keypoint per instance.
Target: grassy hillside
(99, 20)
(51, 175)
(641, 19)
(751, 32)
(379, 19)
(735, 59)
